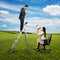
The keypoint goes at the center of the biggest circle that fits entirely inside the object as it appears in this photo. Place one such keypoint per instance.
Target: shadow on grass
(45, 51)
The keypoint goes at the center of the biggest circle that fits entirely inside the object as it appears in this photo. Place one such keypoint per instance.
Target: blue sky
(40, 12)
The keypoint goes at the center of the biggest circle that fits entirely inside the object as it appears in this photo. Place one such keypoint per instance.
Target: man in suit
(22, 16)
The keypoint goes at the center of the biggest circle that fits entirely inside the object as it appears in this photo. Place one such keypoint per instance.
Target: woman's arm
(37, 30)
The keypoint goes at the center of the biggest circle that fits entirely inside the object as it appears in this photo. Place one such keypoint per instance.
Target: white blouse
(42, 34)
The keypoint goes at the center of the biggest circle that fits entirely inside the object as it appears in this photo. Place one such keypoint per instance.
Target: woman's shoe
(37, 50)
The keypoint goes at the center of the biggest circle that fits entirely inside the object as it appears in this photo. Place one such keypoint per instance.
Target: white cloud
(3, 26)
(32, 22)
(27, 29)
(11, 7)
(11, 18)
(53, 10)
(43, 21)
(31, 9)
(14, 19)
(53, 22)
(30, 29)
(30, 12)
(4, 12)
(53, 29)
(34, 8)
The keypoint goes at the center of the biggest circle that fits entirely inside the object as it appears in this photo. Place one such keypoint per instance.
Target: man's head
(26, 7)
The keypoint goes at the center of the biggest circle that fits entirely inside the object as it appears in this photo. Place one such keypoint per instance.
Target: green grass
(20, 53)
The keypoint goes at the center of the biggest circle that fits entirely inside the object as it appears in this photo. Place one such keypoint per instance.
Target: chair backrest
(49, 38)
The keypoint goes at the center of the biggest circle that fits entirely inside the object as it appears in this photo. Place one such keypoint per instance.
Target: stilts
(15, 42)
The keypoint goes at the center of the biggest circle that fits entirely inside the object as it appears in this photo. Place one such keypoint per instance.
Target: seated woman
(42, 32)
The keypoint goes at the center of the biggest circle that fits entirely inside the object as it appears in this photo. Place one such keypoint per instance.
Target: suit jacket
(22, 13)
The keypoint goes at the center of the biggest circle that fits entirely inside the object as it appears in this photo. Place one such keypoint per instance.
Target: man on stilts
(22, 16)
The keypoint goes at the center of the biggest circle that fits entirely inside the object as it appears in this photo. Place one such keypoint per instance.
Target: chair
(47, 41)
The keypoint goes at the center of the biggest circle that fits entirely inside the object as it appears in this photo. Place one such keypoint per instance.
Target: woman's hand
(38, 28)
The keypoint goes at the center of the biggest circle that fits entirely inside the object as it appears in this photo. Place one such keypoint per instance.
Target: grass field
(20, 53)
